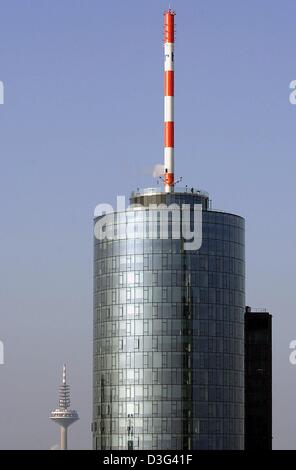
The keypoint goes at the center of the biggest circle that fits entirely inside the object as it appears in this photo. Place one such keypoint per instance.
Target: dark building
(258, 380)
(169, 332)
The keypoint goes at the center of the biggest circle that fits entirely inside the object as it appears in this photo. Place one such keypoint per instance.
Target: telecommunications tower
(63, 416)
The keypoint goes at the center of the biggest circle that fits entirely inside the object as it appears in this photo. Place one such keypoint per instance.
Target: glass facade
(258, 380)
(168, 366)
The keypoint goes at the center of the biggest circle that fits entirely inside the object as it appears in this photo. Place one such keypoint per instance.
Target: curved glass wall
(168, 337)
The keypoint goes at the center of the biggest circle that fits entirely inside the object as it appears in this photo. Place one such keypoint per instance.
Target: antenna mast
(169, 40)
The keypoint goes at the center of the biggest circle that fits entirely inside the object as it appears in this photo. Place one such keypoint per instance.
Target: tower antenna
(169, 40)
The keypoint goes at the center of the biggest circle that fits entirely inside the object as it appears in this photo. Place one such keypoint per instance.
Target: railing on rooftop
(178, 190)
(256, 310)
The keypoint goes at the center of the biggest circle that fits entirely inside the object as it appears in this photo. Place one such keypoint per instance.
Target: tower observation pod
(169, 39)
(63, 415)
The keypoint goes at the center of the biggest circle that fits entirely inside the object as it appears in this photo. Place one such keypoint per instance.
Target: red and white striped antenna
(169, 40)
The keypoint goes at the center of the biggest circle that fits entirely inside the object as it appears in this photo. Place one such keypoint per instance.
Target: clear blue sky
(82, 122)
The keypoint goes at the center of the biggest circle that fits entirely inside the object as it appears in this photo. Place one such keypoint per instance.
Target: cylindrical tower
(168, 360)
(168, 331)
(169, 39)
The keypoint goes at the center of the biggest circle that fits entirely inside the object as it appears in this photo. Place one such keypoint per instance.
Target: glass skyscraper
(168, 364)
